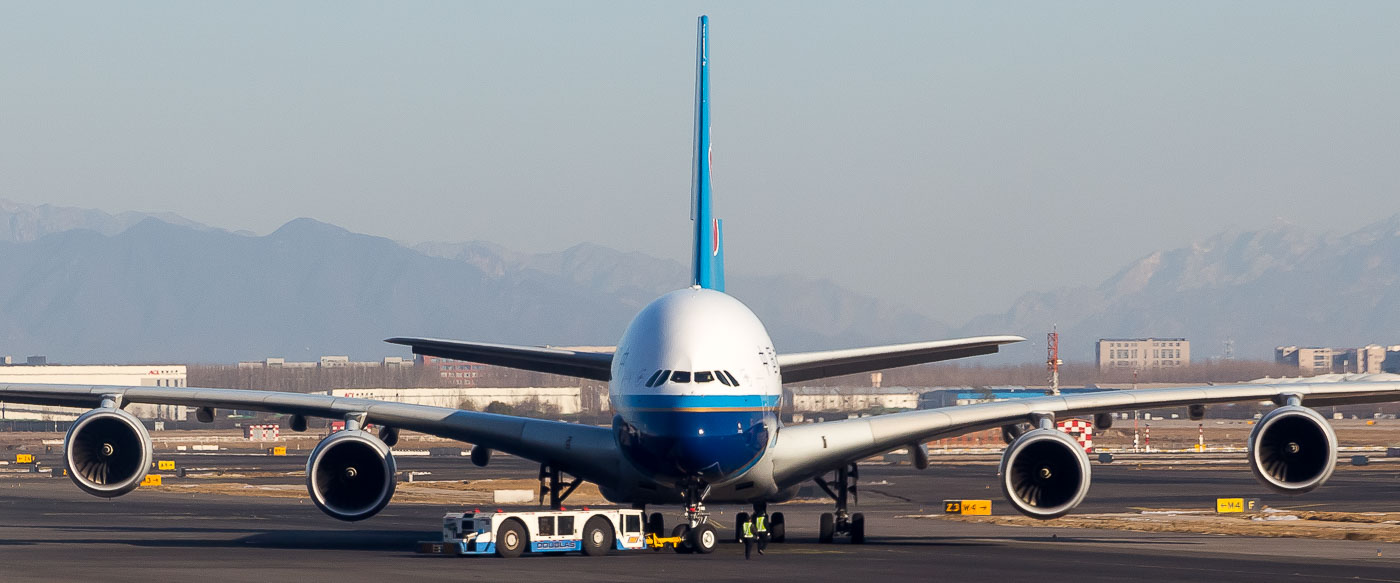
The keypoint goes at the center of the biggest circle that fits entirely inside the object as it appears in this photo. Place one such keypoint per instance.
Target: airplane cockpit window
(680, 376)
(704, 376)
(733, 382)
(651, 382)
(719, 374)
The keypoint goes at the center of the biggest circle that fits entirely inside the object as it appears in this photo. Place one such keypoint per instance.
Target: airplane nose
(694, 449)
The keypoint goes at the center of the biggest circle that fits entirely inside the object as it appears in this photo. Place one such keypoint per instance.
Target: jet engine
(107, 452)
(350, 475)
(1044, 473)
(1292, 450)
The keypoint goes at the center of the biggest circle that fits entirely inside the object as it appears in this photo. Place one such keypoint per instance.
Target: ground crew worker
(747, 535)
(760, 523)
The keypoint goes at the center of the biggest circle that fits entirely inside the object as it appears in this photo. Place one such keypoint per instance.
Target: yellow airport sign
(1227, 505)
(968, 507)
(279, 450)
(151, 480)
(165, 465)
(24, 458)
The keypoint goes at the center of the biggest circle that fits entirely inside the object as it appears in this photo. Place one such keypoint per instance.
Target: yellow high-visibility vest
(762, 522)
(748, 529)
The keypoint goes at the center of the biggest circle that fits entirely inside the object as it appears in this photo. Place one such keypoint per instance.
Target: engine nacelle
(1044, 473)
(107, 452)
(351, 475)
(1292, 450)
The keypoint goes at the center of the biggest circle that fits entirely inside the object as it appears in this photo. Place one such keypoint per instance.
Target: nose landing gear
(841, 522)
(697, 534)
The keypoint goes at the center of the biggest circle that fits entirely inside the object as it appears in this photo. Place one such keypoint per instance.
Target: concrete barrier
(512, 496)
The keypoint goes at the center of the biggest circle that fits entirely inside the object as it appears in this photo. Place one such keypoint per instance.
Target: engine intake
(107, 452)
(1044, 473)
(350, 475)
(1292, 450)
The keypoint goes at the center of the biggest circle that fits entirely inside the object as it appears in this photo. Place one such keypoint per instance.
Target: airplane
(696, 384)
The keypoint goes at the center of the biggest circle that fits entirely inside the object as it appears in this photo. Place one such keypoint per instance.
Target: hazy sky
(951, 156)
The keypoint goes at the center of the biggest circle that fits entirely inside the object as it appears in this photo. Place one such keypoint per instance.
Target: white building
(568, 399)
(139, 375)
(817, 399)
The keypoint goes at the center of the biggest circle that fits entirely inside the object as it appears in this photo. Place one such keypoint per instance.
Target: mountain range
(82, 285)
(87, 286)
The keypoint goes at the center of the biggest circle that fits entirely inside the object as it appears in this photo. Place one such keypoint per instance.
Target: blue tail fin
(709, 233)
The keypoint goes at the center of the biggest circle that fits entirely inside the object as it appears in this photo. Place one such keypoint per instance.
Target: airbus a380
(696, 385)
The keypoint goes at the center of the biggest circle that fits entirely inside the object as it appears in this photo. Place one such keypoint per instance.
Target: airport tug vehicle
(511, 534)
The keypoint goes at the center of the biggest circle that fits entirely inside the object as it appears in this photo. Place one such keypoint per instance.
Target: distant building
(1142, 353)
(1368, 359)
(1392, 359)
(818, 399)
(953, 396)
(334, 361)
(324, 362)
(563, 400)
(456, 372)
(141, 375)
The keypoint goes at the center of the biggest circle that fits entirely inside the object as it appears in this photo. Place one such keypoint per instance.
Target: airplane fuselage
(696, 388)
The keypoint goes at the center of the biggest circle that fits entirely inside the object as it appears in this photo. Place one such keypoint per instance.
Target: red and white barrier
(1081, 430)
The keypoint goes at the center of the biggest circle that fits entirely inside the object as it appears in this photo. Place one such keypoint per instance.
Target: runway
(51, 531)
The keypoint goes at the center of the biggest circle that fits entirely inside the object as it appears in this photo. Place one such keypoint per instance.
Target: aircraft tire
(739, 520)
(828, 528)
(656, 524)
(858, 529)
(704, 538)
(682, 531)
(777, 528)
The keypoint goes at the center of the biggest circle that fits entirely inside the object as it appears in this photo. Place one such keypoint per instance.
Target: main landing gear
(553, 485)
(697, 534)
(840, 522)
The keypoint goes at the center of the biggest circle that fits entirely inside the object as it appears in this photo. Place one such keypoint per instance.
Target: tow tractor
(511, 534)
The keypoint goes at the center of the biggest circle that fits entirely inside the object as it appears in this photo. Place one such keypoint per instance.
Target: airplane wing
(584, 451)
(806, 451)
(589, 365)
(805, 366)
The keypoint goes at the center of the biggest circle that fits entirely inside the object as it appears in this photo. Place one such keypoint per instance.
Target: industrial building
(565, 400)
(1369, 359)
(455, 372)
(951, 396)
(818, 399)
(1142, 353)
(141, 375)
(324, 362)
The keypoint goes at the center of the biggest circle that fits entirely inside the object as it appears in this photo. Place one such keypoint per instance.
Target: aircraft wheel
(777, 528)
(739, 520)
(682, 531)
(656, 524)
(704, 538)
(828, 528)
(858, 528)
(597, 536)
(512, 539)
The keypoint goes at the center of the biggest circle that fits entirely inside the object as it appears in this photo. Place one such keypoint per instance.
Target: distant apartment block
(1369, 359)
(1142, 353)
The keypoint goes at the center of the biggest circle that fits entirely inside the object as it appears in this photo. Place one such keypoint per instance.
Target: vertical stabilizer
(708, 255)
